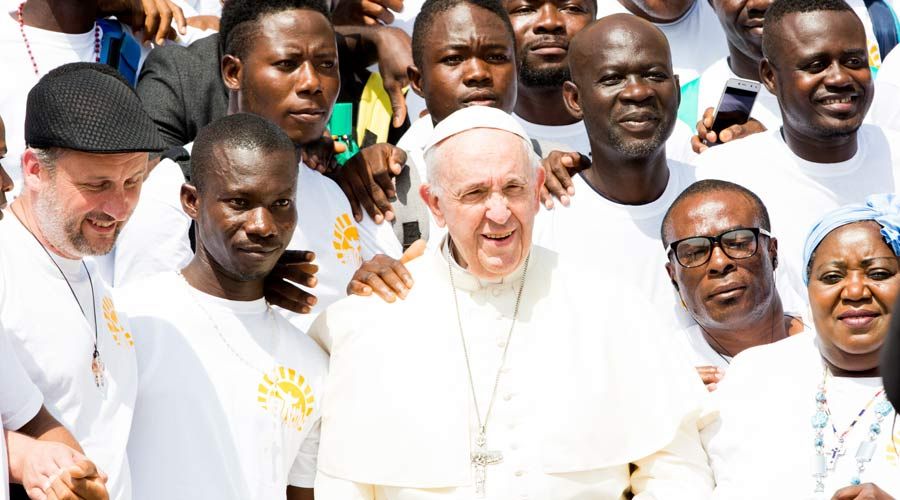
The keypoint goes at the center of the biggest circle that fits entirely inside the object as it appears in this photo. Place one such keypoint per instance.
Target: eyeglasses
(738, 244)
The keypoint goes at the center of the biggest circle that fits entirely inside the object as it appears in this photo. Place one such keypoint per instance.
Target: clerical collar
(469, 282)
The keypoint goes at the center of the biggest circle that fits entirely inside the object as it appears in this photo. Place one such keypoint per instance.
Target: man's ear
(415, 80)
(773, 251)
(571, 99)
(678, 90)
(671, 272)
(33, 173)
(767, 75)
(540, 176)
(190, 200)
(432, 201)
(232, 72)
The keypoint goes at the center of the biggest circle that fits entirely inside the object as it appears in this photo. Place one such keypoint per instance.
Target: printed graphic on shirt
(874, 55)
(119, 334)
(285, 394)
(893, 454)
(346, 241)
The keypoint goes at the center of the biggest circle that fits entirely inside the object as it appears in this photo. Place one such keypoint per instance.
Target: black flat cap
(88, 107)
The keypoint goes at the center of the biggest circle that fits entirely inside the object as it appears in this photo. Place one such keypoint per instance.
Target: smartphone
(735, 104)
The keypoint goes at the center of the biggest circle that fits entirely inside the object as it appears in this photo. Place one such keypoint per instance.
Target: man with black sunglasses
(722, 261)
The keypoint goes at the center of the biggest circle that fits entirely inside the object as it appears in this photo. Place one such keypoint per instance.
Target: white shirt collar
(464, 280)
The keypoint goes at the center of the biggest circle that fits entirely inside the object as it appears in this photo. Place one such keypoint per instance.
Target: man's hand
(387, 277)
(394, 56)
(734, 132)
(204, 23)
(321, 155)
(560, 167)
(866, 491)
(294, 266)
(81, 481)
(367, 180)
(711, 376)
(152, 17)
(365, 12)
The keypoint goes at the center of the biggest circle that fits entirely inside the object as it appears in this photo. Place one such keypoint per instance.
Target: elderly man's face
(85, 200)
(723, 292)
(487, 196)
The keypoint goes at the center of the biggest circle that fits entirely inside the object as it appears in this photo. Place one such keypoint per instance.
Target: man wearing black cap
(88, 140)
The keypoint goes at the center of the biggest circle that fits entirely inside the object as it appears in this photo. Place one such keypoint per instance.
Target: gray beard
(62, 232)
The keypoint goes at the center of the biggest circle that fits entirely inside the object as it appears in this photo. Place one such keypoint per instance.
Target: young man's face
(468, 61)
(289, 74)
(742, 21)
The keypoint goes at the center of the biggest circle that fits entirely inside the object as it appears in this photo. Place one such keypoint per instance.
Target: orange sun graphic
(285, 394)
(346, 241)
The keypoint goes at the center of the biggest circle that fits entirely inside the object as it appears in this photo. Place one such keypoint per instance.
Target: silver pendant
(481, 458)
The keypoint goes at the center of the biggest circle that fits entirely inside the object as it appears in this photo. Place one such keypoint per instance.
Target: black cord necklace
(97, 367)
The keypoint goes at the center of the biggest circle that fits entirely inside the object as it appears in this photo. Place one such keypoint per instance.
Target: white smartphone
(735, 104)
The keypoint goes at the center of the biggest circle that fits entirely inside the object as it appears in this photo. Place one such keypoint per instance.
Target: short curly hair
(236, 28)
(431, 9)
(782, 8)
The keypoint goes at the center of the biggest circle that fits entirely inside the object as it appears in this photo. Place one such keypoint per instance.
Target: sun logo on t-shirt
(285, 394)
(874, 55)
(118, 332)
(346, 241)
(893, 458)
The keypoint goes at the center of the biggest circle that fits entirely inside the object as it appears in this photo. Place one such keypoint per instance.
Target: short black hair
(236, 27)
(716, 186)
(782, 8)
(431, 9)
(241, 130)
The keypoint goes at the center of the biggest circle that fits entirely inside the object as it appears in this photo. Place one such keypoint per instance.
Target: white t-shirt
(229, 395)
(762, 444)
(678, 145)
(797, 193)
(618, 243)
(712, 83)
(696, 40)
(700, 353)
(54, 341)
(885, 110)
(20, 400)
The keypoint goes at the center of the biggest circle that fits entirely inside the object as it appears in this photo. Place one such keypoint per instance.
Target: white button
(507, 397)
(496, 291)
(520, 473)
(514, 446)
(501, 343)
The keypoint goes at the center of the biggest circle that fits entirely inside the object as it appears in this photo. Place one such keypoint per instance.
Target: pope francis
(505, 373)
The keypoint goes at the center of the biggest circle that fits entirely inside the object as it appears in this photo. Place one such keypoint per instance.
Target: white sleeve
(20, 399)
(332, 488)
(156, 237)
(678, 471)
(303, 472)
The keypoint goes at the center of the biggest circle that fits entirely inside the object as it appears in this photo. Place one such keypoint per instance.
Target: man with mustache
(88, 140)
(624, 88)
(229, 397)
(816, 63)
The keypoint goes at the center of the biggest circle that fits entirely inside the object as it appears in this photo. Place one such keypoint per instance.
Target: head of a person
(88, 139)
(623, 86)
(742, 21)
(721, 256)
(242, 195)
(543, 30)
(484, 183)
(659, 11)
(6, 183)
(280, 61)
(852, 279)
(817, 63)
(463, 55)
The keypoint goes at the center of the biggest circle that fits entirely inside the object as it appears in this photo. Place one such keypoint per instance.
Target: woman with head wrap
(807, 417)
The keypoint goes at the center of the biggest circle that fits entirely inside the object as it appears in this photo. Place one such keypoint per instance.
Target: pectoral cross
(481, 458)
(836, 453)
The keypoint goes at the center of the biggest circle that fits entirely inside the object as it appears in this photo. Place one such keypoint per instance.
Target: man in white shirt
(229, 391)
(88, 138)
(478, 399)
(822, 157)
(722, 261)
(624, 88)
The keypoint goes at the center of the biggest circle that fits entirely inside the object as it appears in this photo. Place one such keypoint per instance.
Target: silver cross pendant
(481, 458)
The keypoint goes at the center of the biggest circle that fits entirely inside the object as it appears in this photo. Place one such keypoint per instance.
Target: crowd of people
(449, 249)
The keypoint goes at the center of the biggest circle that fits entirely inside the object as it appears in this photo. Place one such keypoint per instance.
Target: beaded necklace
(21, 18)
(866, 450)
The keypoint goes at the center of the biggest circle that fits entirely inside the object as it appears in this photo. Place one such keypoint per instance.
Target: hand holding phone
(735, 105)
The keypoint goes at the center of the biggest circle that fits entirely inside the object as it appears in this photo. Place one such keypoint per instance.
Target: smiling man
(474, 403)
(816, 64)
(229, 395)
(88, 139)
(623, 87)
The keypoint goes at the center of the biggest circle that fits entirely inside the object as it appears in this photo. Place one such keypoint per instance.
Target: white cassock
(589, 403)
